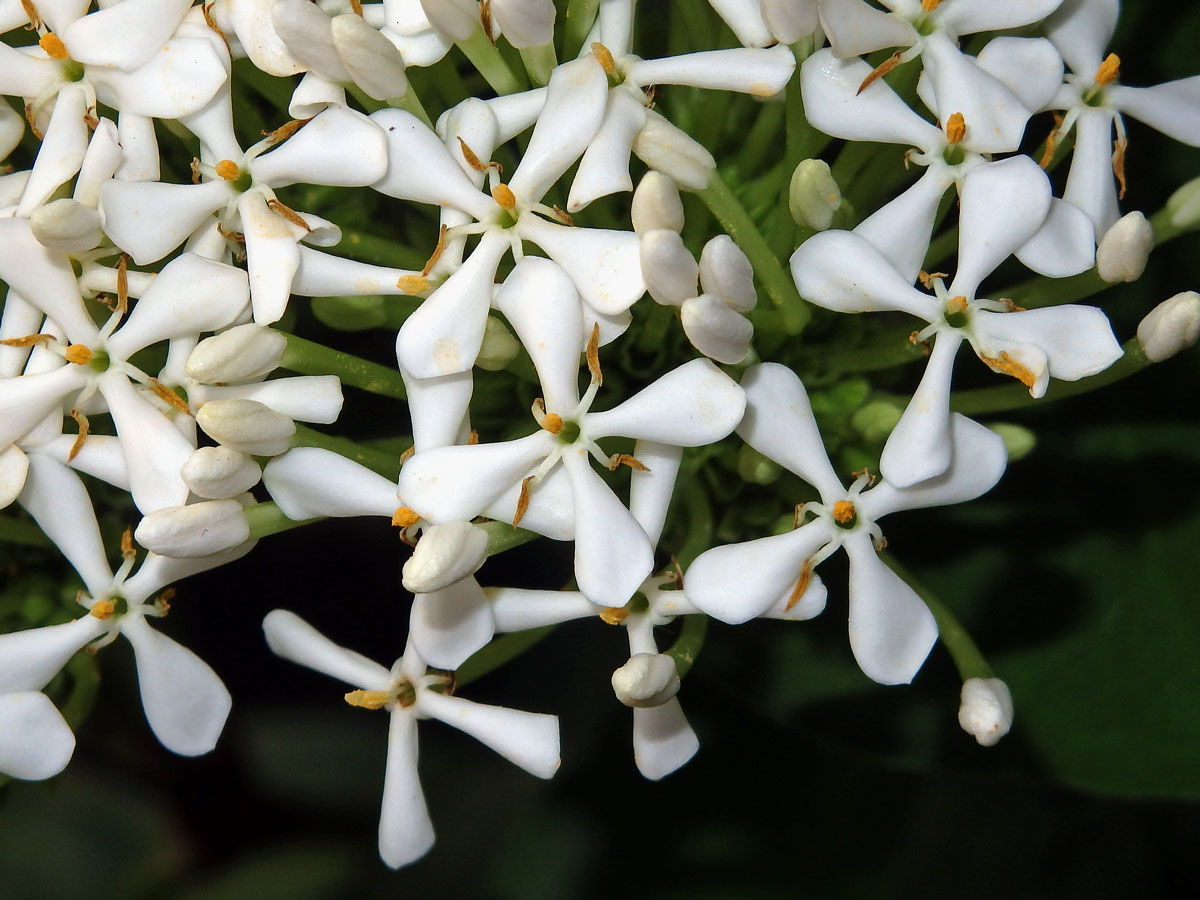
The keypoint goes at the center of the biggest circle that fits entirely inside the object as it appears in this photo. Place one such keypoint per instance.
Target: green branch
(311, 358)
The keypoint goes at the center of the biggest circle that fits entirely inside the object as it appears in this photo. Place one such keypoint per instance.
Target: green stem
(689, 643)
(580, 16)
(386, 464)
(378, 250)
(311, 358)
(501, 650)
(954, 637)
(17, 531)
(894, 350)
(539, 63)
(502, 537)
(267, 518)
(983, 401)
(409, 102)
(486, 58)
(777, 281)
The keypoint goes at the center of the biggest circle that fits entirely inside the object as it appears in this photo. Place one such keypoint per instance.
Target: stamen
(553, 423)
(927, 278)
(880, 70)
(1051, 142)
(127, 551)
(625, 459)
(227, 169)
(413, 284)
(288, 213)
(90, 120)
(504, 196)
(1006, 365)
(956, 305)
(31, 118)
(475, 162)
(801, 584)
(473, 438)
(81, 421)
(485, 19)
(102, 609)
(604, 57)
(404, 517)
(563, 217)
(31, 13)
(122, 284)
(593, 355)
(356, 7)
(165, 393)
(1108, 69)
(285, 131)
(956, 128)
(28, 341)
(80, 354)
(407, 454)
(522, 501)
(236, 236)
(843, 512)
(206, 10)
(613, 615)
(929, 5)
(368, 699)
(162, 603)
(1118, 164)
(437, 253)
(54, 46)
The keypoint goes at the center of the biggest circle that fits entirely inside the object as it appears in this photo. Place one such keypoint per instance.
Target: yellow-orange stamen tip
(801, 584)
(1006, 365)
(102, 609)
(552, 422)
(843, 511)
(367, 699)
(413, 284)
(404, 517)
(471, 157)
(929, 5)
(227, 169)
(168, 396)
(504, 196)
(956, 305)
(879, 71)
(80, 354)
(593, 354)
(27, 341)
(956, 128)
(522, 501)
(54, 46)
(613, 615)
(127, 550)
(1107, 72)
(604, 57)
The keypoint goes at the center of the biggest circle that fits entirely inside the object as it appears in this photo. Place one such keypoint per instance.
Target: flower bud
(668, 267)
(790, 20)
(656, 204)
(455, 19)
(305, 30)
(373, 61)
(715, 329)
(726, 272)
(1019, 441)
(445, 554)
(499, 347)
(1171, 326)
(216, 473)
(813, 196)
(1183, 206)
(66, 225)
(648, 679)
(200, 529)
(986, 709)
(525, 23)
(242, 353)
(662, 146)
(1124, 249)
(247, 425)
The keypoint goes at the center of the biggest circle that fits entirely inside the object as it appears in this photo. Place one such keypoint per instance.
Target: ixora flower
(1094, 101)
(692, 405)
(1003, 204)
(891, 629)
(185, 702)
(409, 693)
(191, 295)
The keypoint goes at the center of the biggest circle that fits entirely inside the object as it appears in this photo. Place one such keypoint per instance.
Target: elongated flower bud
(986, 710)
(1171, 326)
(648, 679)
(219, 472)
(372, 60)
(726, 272)
(814, 196)
(656, 204)
(668, 268)
(445, 554)
(243, 353)
(1124, 249)
(201, 529)
(662, 146)
(247, 425)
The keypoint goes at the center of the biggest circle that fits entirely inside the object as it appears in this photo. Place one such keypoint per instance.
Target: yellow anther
(626, 459)
(102, 609)
(522, 501)
(286, 130)
(801, 584)
(80, 354)
(27, 341)
(81, 421)
(211, 22)
(929, 5)
(404, 517)
(593, 354)
(485, 19)
(1118, 164)
(127, 551)
(613, 615)
(407, 454)
(31, 13)
(356, 7)
(880, 70)
(504, 196)
(123, 284)
(563, 216)
(227, 169)
(604, 57)
(473, 438)
(843, 512)
(54, 46)
(168, 396)
(956, 305)
(926, 278)
(437, 252)
(288, 213)
(956, 128)
(368, 699)
(470, 156)
(1107, 72)
(1006, 365)
(413, 284)
(162, 602)
(553, 423)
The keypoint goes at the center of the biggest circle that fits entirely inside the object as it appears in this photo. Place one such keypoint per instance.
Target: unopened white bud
(814, 196)
(1124, 249)
(66, 225)
(668, 268)
(790, 20)
(1183, 206)
(648, 679)
(242, 353)
(499, 347)
(247, 425)
(716, 329)
(986, 709)
(525, 23)
(1171, 326)
(455, 19)
(726, 272)
(217, 473)
(656, 204)
(373, 61)
(305, 30)
(445, 554)
(186, 532)
(662, 146)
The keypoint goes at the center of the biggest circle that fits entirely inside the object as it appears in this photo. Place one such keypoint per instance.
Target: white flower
(529, 740)
(891, 629)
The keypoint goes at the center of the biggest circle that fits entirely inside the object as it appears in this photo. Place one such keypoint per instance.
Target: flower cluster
(150, 303)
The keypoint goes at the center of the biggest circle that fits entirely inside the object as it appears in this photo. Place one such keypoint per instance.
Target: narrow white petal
(525, 23)
(449, 625)
(843, 271)
(154, 449)
(156, 572)
(736, 582)
(891, 629)
(35, 740)
(1081, 29)
(855, 28)
(604, 264)
(971, 16)
(614, 24)
(745, 20)
(1090, 184)
(149, 219)
(101, 457)
(437, 408)
(551, 510)
(26, 400)
(526, 739)
(519, 609)
(604, 167)
(662, 739)
(18, 318)
(185, 701)
(14, 466)
(1078, 340)
(125, 35)
(308, 482)
(43, 277)
(1064, 245)
(762, 73)
(901, 229)
(339, 147)
(306, 398)
(1029, 67)
(809, 605)
(252, 23)
(62, 149)
(325, 275)
(920, 447)
(1172, 108)
(30, 658)
(313, 95)
(24, 75)
(650, 492)
(294, 639)
(405, 831)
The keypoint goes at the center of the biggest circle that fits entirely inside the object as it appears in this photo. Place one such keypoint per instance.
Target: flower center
(956, 312)
(608, 64)
(844, 514)
(106, 609)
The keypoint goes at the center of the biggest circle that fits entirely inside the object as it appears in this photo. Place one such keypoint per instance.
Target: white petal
(304, 29)
(449, 625)
(101, 457)
(919, 447)
(518, 609)
(1090, 183)
(154, 449)
(662, 739)
(252, 22)
(272, 256)
(1003, 205)
(668, 267)
(44, 278)
(842, 271)
(1172, 108)
(779, 423)
(405, 831)
(650, 491)
(736, 582)
(313, 95)
(725, 271)
(149, 219)
(855, 28)
(715, 329)
(1064, 245)
(308, 482)
(14, 466)
(35, 740)
(374, 62)
(30, 658)
(26, 400)
(613, 556)
(103, 157)
(125, 35)
(294, 639)
(18, 318)
(604, 264)
(971, 16)
(529, 740)
(325, 275)
(614, 22)
(307, 398)
(692, 405)
(1029, 67)
(339, 147)
(745, 20)
(456, 19)
(1081, 29)
(437, 408)
(901, 229)
(62, 149)
(179, 79)
(551, 510)
(1077, 340)
(525, 23)
(156, 572)
(604, 167)
(186, 703)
